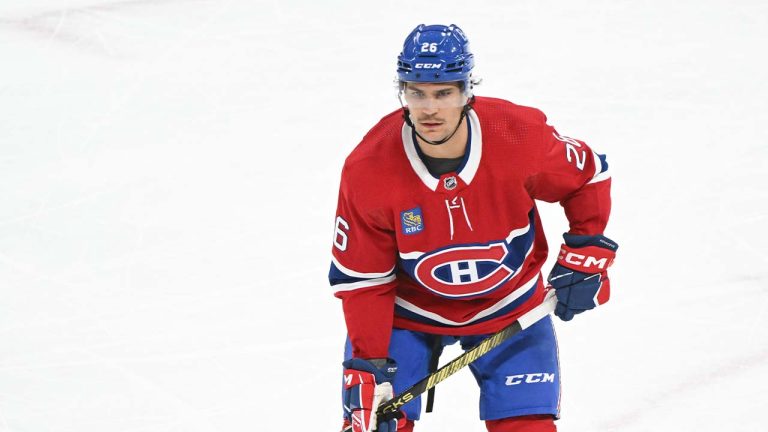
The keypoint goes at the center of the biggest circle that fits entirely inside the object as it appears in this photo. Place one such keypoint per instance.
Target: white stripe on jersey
(475, 151)
(411, 255)
(517, 233)
(514, 295)
(356, 274)
(416, 163)
(362, 284)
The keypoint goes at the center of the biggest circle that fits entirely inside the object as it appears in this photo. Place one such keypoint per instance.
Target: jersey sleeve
(362, 271)
(571, 173)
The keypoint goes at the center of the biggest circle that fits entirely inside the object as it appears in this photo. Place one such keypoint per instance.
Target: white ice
(168, 180)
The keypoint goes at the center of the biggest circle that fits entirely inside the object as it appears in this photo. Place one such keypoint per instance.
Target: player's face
(435, 107)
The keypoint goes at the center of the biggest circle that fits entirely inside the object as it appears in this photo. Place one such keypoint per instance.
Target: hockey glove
(580, 277)
(367, 384)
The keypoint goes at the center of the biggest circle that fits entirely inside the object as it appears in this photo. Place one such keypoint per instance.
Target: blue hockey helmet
(436, 54)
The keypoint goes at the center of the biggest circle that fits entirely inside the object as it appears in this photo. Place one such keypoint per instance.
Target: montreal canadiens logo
(464, 271)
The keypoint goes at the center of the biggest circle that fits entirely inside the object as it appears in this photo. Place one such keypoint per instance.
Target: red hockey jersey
(460, 254)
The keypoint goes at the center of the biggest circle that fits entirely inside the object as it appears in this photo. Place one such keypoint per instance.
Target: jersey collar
(466, 172)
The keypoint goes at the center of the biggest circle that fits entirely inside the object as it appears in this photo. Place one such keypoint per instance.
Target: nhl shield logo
(450, 183)
(412, 221)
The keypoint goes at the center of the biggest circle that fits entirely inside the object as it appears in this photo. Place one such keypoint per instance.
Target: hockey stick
(390, 407)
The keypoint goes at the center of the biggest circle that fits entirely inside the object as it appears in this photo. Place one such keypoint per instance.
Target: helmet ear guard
(468, 86)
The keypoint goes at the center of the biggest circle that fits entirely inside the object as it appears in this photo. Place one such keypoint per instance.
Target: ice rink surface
(168, 181)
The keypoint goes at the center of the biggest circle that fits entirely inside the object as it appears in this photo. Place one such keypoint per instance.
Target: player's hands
(368, 384)
(580, 277)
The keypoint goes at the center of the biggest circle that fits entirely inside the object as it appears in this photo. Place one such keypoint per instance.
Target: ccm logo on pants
(530, 378)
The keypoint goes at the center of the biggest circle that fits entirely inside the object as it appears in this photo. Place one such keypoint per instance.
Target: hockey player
(438, 240)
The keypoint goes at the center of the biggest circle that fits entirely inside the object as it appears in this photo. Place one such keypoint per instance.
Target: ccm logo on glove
(590, 259)
(580, 276)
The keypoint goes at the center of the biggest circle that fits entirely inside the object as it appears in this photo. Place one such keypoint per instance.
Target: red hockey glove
(367, 384)
(580, 276)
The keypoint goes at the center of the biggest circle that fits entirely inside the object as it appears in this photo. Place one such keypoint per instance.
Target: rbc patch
(412, 221)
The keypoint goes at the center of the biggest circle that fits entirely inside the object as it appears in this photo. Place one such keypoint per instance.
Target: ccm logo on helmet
(428, 65)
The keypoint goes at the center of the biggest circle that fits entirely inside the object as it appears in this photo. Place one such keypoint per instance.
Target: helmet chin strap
(409, 122)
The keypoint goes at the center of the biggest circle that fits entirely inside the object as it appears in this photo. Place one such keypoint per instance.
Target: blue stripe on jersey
(336, 276)
(405, 313)
(603, 162)
(520, 245)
